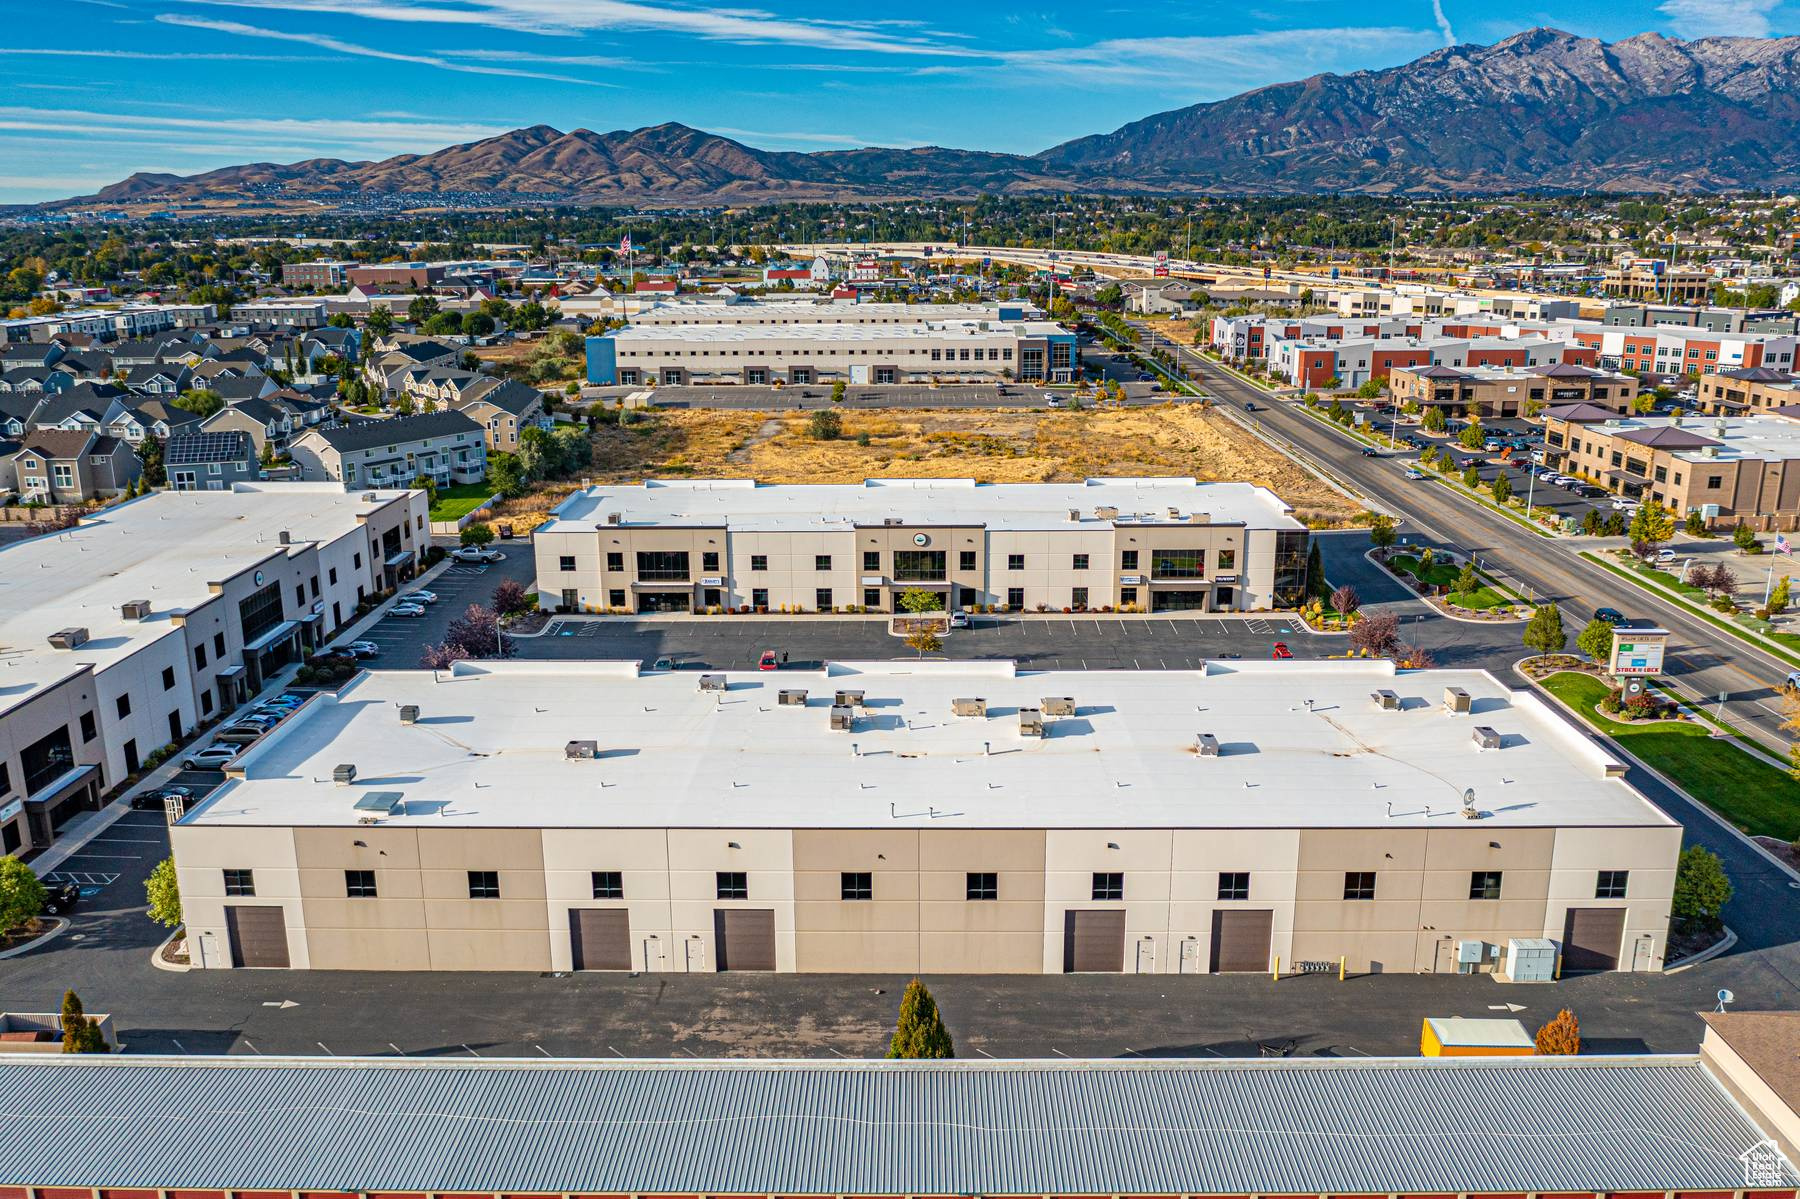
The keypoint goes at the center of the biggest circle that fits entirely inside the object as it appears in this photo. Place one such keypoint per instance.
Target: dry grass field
(999, 446)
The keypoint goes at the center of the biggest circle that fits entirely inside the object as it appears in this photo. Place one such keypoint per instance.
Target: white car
(1665, 554)
(407, 610)
(959, 619)
(213, 757)
(1414, 473)
(474, 553)
(419, 597)
(1624, 505)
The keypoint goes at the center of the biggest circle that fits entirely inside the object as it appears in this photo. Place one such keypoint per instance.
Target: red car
(1282, 651)
(768, 661)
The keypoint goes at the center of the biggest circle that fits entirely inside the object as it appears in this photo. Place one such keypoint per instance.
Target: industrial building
(1158, 545)
(742, 311)
(914, 352)
(153, 616)
(930, 817)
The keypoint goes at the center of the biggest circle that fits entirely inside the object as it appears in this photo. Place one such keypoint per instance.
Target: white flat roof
(1301, 745)
(1769, 438)
(821, 310)
(745, 505)
(986, 327)
(164, 548)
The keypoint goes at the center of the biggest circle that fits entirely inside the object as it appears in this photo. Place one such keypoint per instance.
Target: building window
(669, 566)
(759, 561)
(615, 561)
(709, 560)
(331, 576)
(46, 759)
(1078, 597)
(124, 704)
(821, 561)
(1081, 562)
(1484, 884)
(1128, 560)
(856, 884)
(1178, 564)
(1611, 884)
(5, 779)
(219, 645)
(257, 614)
(566, 562)
(615, 597)
(484, 884)
(206, 703)
(966, 560)
(1128, 595)
(1109, 885)
(1015, 561)
(920, 566)
(1714, 482)
(359, 884)
(240, 882)
(733, 884)
(822, 599)
(609, 884)
(1015, 597)
(982, 885)
(1234, 885)
(872, 560)
(168, 678)
(1359, 884)
(1227, 560)
(89, 730)
(871, 597)
(199, 657)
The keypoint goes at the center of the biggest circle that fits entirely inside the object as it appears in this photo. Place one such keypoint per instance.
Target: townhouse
(504, 409)
(73, 466)
(210, 461)
(444, 447)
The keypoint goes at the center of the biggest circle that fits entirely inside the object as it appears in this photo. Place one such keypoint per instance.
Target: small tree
(920, 1033)
(1561, 1036)
(1744, 537)
(1381, 531)
(1473, 436)
(1544, 632)
(1596, 640)
(477, 534)
(510, 598)
(1412, 656)
(1778, 598)
(1316, 585)
(1501, 488)
(918, 600)
(1471, 477)
(1651, 523)
(1370, 389)
(825, 425)
(1695, 525)
(163, 892)
(21, 895)
(1614, 525)
(1433, 420)
(1468, 580)
(1344, 600)
(1701, 888)
(1426, 557)
(924, 641)
(837, 392)
(81, 1032)
(1377, 634)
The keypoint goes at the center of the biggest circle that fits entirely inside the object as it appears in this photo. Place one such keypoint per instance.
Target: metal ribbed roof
(995, 1128)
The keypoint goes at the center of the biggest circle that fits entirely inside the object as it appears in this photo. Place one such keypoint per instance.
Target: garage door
(1591, 939)
(258, 936)
(1094, 942)
(1240, 941)
(745, 938)
(600, 938)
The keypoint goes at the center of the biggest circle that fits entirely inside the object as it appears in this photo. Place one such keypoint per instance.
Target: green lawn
(454, 503)
(1482, 599)
(1756, 797)
(1440, 574)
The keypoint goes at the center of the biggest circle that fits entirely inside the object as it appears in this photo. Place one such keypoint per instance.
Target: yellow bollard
(1277, 967)
(1341, 961)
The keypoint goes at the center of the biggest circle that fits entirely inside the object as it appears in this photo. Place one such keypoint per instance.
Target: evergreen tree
(920, 1031)
(1778, 598)
(1561, 1036)
(1701, 887)
(1544, 632)
(81, 1033)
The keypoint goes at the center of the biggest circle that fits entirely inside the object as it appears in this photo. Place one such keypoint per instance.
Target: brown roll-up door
(258, 936)
(600, 938)
(744, 938)
(1094, 942)
(1240, 941)
(1591, 939)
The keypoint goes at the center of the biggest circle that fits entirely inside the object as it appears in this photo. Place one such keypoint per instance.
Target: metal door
(1094, 942)
(1190, 956)
(694, 955)
(1591, 938)
(1240, 940)
(745, 938)
(258, 936)
(1146, 955)
(600, 938)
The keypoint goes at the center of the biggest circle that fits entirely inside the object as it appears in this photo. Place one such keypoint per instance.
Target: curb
(1442, 610)
(57, 927)
(156, 958)
(1722, 946)
(1717, 620)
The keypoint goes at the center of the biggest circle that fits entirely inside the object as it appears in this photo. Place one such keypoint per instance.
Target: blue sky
(91, 90)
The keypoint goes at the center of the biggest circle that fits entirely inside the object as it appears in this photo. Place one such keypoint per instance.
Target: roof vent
(1206, 745)
(284, 537)
(135, 610)
(1174, 513)
(848, 699)
(1457, 702)
(974, 706)
(369, 497)
(409, 713)
(1386, 700)
(385, 803)
(344, 774)
(1058, 705)
(69, 638)
(581, 751)
(1075, 514)
(1031, 722)
(712, 682)
(843, 717)
(1486, 738)
(1199, 518)
(792, 697)
(615, 518)
(891, 520)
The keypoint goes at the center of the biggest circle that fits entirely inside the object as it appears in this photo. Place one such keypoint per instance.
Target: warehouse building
(933, 817)
(124, 632)
(1158, 545)
(745, 311)
(915, 352)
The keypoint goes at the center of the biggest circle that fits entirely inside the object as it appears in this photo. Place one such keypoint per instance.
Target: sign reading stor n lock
(1637, 651)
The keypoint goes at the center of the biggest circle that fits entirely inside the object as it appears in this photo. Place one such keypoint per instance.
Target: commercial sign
(1637, 652)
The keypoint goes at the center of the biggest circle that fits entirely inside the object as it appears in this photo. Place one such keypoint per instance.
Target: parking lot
(401, 639)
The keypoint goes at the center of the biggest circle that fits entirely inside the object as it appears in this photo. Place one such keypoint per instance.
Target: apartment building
(1726, 468)
(74, 466)
(922, 351)
(1159, 545)
(1754, 389)
(322, 272)
(1503, 392)
(1656, 280)
(150, 617)
(444, 447)
(1673, 350)
(285, 313)
(929, 817)
(1354, 361)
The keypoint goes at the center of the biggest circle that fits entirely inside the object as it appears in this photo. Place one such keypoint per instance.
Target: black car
(1610, 615)
(152, 801)
(60, 898)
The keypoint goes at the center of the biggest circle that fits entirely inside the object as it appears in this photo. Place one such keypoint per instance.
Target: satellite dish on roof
(1725, 997)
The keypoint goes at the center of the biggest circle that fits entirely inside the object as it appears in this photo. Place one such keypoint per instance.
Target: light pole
(1530, 489)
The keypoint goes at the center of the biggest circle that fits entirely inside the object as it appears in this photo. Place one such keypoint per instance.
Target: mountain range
(1542, 109)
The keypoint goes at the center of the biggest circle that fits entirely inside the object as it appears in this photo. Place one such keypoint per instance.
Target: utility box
(1058, 705)
(1529, 960)
(1457, 701)
(581, 751)
(1486, 737)
(1031, 722)
(1457, 1036)
(968, 707)
(843, 717)
(409, 713)
(847, 699)
(1206, 745)
(1386, 700)
(792, 697)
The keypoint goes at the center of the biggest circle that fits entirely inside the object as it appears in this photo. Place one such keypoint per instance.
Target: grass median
(1781, 646)
(1756, 797)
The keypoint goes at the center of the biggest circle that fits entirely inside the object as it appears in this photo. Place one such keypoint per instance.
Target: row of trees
(543, 454)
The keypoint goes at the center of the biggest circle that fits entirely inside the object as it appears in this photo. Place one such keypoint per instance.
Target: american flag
(625, 244)
(1781, 544)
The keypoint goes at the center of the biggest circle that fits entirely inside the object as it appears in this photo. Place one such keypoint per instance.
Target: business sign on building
(1637, 652)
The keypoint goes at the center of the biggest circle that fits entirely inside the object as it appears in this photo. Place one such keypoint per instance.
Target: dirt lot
(1002, 446)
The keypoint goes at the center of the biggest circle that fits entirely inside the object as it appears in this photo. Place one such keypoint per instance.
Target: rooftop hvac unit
(1106, 512)
(1075, 514)
(843, 717)
(344, 774)
(409, 713)
(969, 707)
(284, 537)
(1031, 722)
(1486, 738)
(1058, 705)
(792, 697)
(581, 751)
(135, 610)
(891, 521)
(369, 497)
(712, 682)
(1206, 745)
(1174, 513)
(1386, 700)
(1456, 701)
(847, 699)
(1199, 518)
(69, 638)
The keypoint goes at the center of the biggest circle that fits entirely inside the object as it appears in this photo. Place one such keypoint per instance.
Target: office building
(1504, 393)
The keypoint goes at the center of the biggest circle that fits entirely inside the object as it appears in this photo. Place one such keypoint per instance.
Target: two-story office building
(1157, 545)
(1504, 393)
(150, 617)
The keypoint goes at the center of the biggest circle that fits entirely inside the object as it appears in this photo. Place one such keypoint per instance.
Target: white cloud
(1443, 22)
(306, 135)
(158, 55)
(324, 42)
(1719, 18)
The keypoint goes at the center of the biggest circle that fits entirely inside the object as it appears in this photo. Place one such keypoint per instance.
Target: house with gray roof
(445, 447)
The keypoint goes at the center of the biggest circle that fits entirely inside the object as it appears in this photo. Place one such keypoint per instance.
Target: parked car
(663, 664)
(213, 757)
(474, 553)
(959, 619)
(419, 597)
(1281, 651)
(152, 801)
(769, 661)
(60, 898)
(1665, 554)
(240, 734)
(1609, 615)
(363, 649)
(407, 610)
